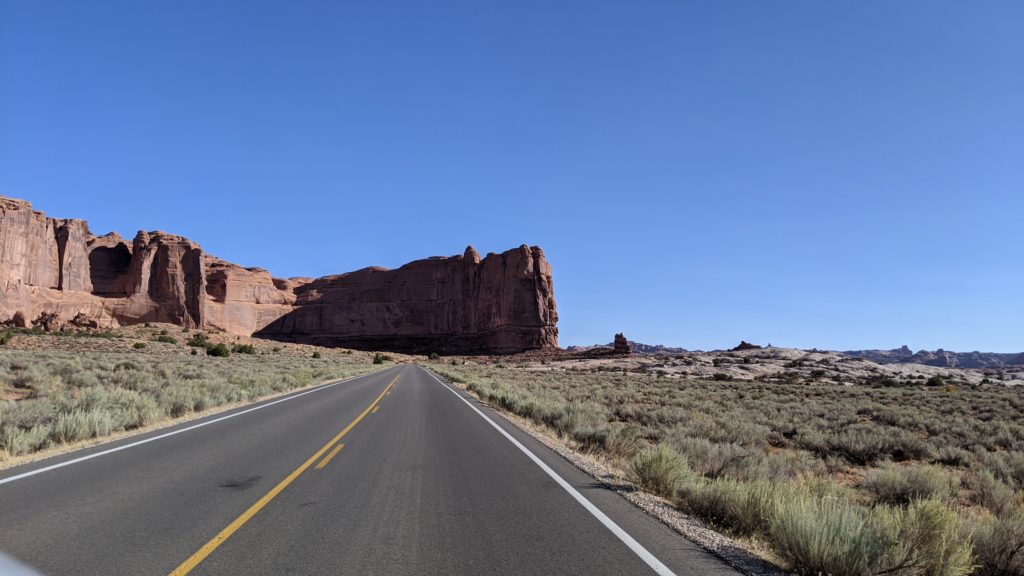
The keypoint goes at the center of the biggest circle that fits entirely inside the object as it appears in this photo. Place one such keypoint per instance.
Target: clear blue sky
(815, 174)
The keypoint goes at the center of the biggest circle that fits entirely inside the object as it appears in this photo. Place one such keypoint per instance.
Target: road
(391, 473)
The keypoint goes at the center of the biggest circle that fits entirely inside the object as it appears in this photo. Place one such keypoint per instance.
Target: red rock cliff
(55, 273)
(501, 304)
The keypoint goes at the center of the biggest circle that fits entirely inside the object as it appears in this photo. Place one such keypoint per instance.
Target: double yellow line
(208, 548)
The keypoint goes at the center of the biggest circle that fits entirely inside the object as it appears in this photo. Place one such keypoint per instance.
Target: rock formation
(744, 345)
(503, 303)
(940, 358)
(55, 273)
(620, 345)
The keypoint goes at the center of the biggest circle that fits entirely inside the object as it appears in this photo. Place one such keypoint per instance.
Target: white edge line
(180, 430)
(628, 540)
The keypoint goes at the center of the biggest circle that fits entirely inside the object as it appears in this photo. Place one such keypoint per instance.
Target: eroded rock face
(501, 303)
(28, 245)
(110, 265)
(55, 274)
(244, 300)
(73, 255)
(621, 345)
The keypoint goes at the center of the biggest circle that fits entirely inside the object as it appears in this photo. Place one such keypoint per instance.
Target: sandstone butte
(55, 274)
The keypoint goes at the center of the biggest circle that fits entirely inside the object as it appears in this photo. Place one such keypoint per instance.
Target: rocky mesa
(54, 274)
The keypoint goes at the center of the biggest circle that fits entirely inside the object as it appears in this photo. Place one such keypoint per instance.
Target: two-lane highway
(391, 473)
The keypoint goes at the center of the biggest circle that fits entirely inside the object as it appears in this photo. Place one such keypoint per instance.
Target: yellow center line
(375, 408)
(208, 548)
(329, 456)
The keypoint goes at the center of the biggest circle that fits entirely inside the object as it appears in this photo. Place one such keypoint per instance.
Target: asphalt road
(392, 473)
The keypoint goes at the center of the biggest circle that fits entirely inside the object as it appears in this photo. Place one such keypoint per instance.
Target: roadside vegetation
(53, 397)
(915, 479)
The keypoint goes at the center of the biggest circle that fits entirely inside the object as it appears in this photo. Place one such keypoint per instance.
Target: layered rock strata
(55, 273)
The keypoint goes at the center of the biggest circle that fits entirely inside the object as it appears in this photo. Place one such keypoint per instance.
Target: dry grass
(54, 397)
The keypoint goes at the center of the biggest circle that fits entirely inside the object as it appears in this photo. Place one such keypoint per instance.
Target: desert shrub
(591, 438)
(660, 470)
(5, 338)
(139, 345)
(712, 459)
(199, 340)
(434, 356)
(953, 456)
(999, 545)
(779, 466)
(743, 508)
(80, 424)
(900, 485)
(219, 350)
(990, 492)
(166, 339)
(828, 536)
(317, 355)
(568, 418)
(864, 445)
(243, 349)
(721, 377)
(16, 441)
(842, 538)
(931, 540)
(624, 442)
(379, 358)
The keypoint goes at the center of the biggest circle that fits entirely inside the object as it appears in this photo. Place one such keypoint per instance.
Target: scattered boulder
(49, 321)
(81, 320)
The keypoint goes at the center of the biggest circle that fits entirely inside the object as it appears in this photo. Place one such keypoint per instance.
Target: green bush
(379, 358)
(243, 349)
(199, 340)
(434, 356)
(660, 470)
(317, 355)
(220, 350)
(5, 338)
(166, 339)
(139, 345)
